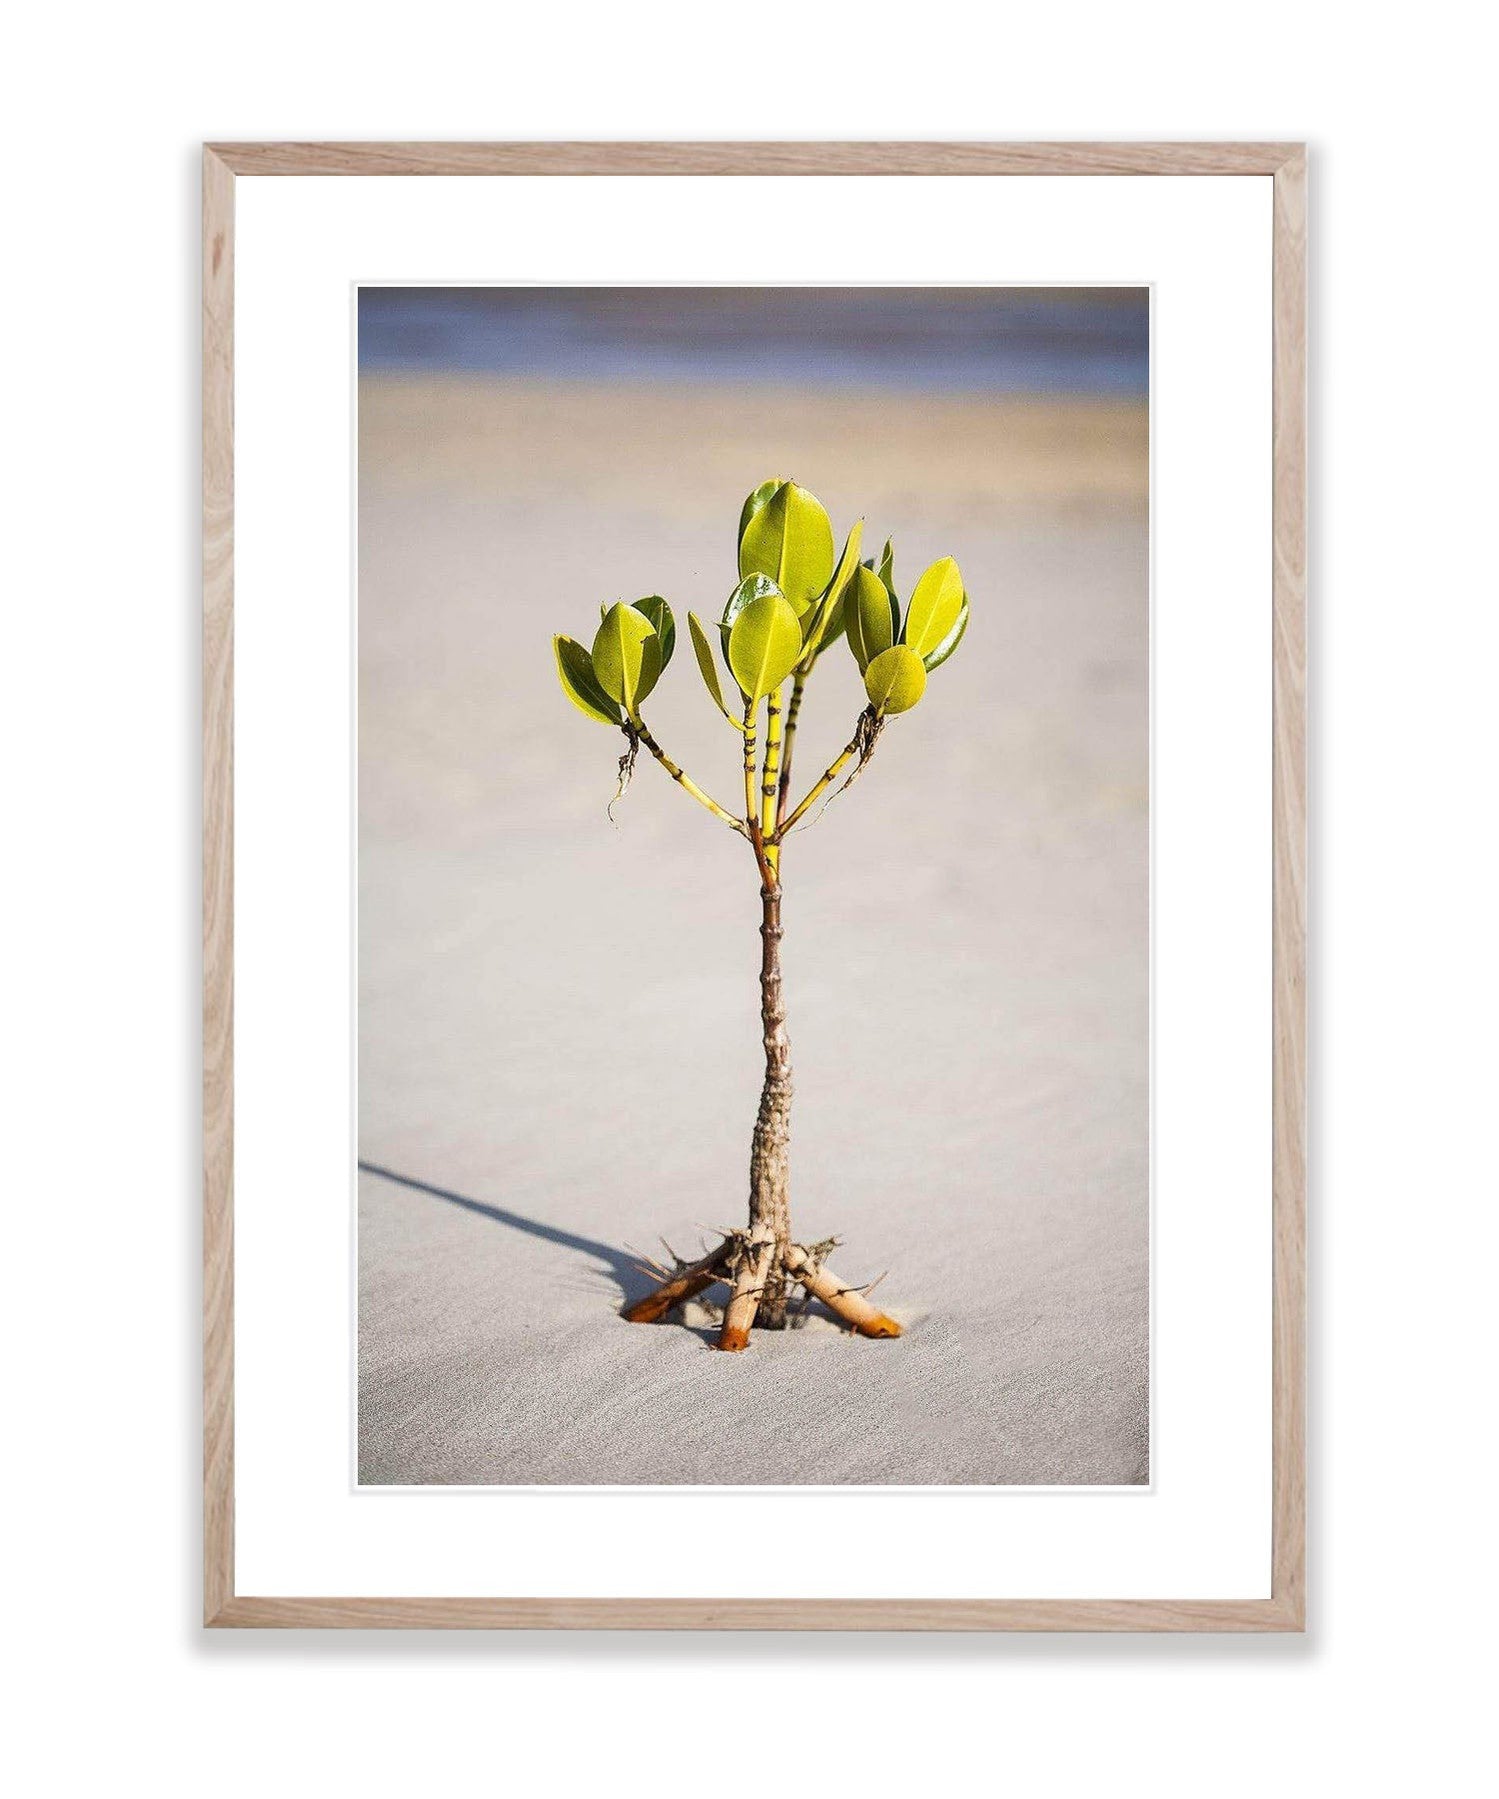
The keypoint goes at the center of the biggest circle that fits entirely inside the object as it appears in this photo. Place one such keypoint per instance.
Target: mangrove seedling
(794, 599)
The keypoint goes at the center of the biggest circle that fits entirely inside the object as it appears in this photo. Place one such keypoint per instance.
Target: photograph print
(753, 886)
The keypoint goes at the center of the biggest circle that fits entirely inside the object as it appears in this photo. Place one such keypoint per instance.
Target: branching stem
(861, 744)
(769, 877)
(685, 781)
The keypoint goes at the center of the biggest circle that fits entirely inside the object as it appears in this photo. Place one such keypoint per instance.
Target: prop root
(744, 1263)
(847, 1303)
(688, 1281)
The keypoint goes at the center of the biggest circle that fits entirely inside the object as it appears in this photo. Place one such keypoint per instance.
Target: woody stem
(760, 1278)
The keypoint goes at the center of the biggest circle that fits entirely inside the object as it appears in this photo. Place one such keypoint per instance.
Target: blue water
(1079, 341)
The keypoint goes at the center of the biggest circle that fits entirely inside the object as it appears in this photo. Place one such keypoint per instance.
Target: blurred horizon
(1086, 342)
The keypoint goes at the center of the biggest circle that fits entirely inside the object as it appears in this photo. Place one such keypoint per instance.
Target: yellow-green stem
(792, 713)
(751, 810)
(770, 779)
(686, 782)
(830, 775)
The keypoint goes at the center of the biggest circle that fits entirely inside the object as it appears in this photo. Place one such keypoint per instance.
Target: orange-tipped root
(685, 1284)
(744, 1263)
(847, 1303)
(750, 1274)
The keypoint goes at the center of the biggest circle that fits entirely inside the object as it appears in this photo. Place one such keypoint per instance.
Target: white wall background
(98, 698)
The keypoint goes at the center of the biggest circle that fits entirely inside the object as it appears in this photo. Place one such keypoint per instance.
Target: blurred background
(956, 340)
(558, 1031)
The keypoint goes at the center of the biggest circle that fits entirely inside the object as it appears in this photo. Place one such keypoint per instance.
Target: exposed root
(750, 1266)
(743, 1262)
(626, 769)
(867, 735)
(847, 1303)
(686, 1282)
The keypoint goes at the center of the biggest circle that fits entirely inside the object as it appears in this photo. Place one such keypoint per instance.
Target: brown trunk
(760, 1263)
(770, 1196)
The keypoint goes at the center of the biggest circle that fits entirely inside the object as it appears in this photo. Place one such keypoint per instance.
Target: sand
(558, 1034)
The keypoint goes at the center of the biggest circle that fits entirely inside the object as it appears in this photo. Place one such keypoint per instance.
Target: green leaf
(627, 656)
(887, 565)
(761, 497)
(789, 538)
(936, 601)
(659, 613)
(935, 658)
(575, 672)
(833, 629)
(868, 617)
(895, 680)
(815, 619)
(752, 587)
(703, 650)
(765, 644)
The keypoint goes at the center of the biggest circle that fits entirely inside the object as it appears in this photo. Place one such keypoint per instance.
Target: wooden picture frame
(1284, 1609)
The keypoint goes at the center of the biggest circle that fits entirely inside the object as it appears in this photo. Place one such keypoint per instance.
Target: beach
(558, 1032)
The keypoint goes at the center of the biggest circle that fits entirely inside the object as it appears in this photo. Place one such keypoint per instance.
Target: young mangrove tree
(794, 599)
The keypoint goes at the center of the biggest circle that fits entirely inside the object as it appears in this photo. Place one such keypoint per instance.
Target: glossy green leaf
(936, 657)
(627, 656)
(816, 618)
(790, 538)
(703, 650)
(895, 680)
(752, 587)
(765, 644)
(868, 617)
(761, 497)
(659, 613)
(575, 672)
(936, 601)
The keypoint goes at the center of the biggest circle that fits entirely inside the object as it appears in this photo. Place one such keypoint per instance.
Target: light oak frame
(1285, 163)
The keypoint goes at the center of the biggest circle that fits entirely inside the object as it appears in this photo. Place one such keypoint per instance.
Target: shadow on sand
(619, 1264)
